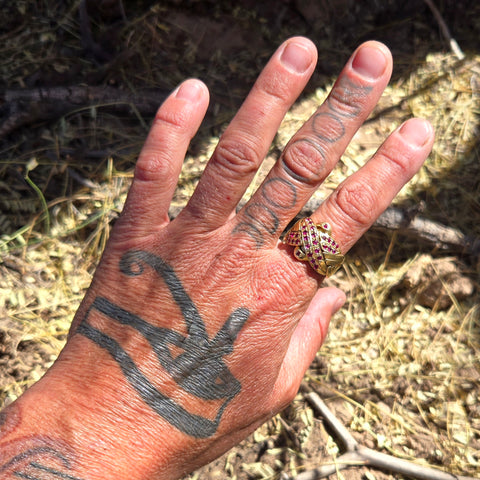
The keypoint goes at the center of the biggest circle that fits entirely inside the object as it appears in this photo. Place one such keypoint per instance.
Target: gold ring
(314, 244)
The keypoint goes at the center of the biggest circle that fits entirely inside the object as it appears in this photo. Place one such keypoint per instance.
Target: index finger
(324, 238)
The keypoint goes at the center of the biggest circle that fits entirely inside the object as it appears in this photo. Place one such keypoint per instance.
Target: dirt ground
(401, 366)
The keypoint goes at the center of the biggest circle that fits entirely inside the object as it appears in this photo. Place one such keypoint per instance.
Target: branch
(446, 32)
(20, 107)
(441, 236)
(358, 455)
(86, 36)
(422, 229)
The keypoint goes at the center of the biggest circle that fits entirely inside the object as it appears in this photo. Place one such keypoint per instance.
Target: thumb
(306, 340)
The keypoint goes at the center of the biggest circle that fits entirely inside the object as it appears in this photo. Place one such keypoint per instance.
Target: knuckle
(345, 105)
(153, 166)
(356, 202)
(328, 127)
(304, 160)
(396, 160)
(177, 118)
(239, 158)
(275, 87)
(348, 98)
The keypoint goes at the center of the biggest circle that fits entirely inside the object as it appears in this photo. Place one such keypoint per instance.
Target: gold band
(314, 244)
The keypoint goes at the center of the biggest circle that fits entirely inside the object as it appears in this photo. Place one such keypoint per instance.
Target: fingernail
(416, 131)
(296, 57)
(369, 62)
(189, 90)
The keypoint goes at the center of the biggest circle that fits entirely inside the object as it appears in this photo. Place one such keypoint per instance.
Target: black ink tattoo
(39, 463)
(199, 369)
(262, 215)
(327, 136)
(252, 231)
(260, 219)
(268, 192)
(347, 93)
(321, 152)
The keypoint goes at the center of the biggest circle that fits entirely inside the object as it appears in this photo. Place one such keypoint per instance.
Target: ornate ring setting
(314, 244)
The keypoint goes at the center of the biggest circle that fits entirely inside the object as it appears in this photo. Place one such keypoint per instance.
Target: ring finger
(317, 146)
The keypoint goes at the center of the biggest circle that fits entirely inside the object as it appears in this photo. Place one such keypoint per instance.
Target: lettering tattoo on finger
(261, 218)
(194, 361)
(345, 99)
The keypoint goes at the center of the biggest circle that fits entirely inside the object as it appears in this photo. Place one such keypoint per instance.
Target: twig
(86, 36)
(359, 455)
(122, 11)
(422, 229)
(446, 32)
(407, 223)
(441, 236)
(19, 107)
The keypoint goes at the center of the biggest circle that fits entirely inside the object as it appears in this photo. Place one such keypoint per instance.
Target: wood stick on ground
(20, 107)
(86, 35)
(442, 236)
(358, 455)
(446, 32)
(424, 230)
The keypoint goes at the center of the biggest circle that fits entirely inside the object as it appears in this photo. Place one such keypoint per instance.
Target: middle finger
(317, 146)
(247, 139)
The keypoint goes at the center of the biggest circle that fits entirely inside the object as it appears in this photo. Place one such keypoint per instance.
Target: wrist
(80, 421)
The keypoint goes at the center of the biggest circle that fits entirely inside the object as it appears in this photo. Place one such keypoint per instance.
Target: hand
(197, 330)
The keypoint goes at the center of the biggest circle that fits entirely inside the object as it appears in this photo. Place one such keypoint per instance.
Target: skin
(195, 331)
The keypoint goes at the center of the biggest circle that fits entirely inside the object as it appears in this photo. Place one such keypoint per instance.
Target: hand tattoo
(199, 370)
(37, 458)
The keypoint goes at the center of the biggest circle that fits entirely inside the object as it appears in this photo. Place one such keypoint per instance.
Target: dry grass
(402, 375)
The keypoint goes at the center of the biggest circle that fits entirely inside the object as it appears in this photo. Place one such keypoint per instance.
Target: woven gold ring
(314, 244)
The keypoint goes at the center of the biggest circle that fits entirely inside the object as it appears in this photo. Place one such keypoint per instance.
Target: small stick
(19, 107)
(358, 455)
(86, 36)
(122, 11)
(442, 236)
(415, 226)
(446, 32)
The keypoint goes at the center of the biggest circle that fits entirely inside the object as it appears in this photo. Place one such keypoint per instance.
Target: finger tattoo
(261, 217)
